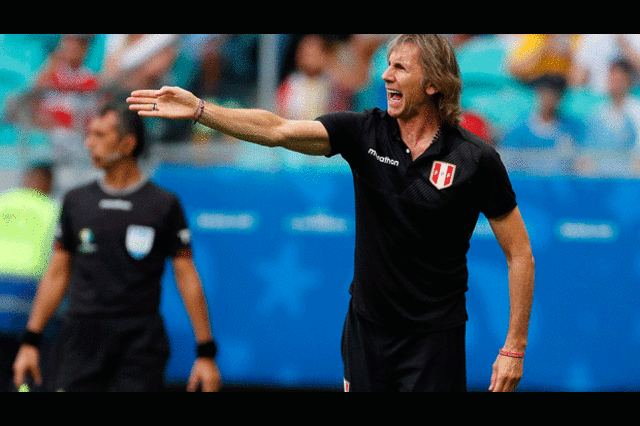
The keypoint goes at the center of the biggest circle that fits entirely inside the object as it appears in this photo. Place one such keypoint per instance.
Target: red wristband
(198, 112)
(511, 354)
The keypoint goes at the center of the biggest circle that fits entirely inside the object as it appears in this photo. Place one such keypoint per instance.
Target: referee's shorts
(110, 354)
(377, 360)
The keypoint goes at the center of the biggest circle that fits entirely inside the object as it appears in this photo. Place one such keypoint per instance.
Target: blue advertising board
(275, 254)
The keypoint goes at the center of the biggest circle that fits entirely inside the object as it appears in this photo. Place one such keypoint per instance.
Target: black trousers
(379, 360)
(110, 354)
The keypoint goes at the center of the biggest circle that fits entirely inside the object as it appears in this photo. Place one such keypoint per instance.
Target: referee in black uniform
(113, 238)
(421, 182)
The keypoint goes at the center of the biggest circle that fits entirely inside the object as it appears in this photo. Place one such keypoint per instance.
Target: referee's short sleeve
(63, 238)
(178, 234)
(497, 195)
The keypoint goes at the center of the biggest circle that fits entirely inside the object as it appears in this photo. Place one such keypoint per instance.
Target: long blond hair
(438, 60)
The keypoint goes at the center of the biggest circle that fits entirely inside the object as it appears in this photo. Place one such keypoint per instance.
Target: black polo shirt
(414, 219)
(120, 240)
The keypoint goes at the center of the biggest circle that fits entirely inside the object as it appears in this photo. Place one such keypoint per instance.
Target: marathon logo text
(385, 160)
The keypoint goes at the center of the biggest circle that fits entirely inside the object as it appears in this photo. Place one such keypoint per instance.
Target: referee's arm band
(31, 338)
(207, 349)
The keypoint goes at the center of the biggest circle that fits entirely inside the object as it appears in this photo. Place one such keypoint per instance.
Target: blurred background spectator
(137, 61)
(65, 94)
(459, 40)
(205, 50)
(353, 63)
(594, 54)
(326, 73)
(29, 214)
(223, 69)
(316, 73)
(535, 55)
(614, 128)
(372, 92)
(26, 241)
(310, 89)
(226, 65)
(546, 137)
(62, 77)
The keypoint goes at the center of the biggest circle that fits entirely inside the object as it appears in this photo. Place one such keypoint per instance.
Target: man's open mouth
(394, 95)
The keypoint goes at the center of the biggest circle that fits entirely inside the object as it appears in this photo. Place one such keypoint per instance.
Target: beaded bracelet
(511, 354)
(199, 111)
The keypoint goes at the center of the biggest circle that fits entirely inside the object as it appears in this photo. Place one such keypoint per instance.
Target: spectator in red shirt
(66, 94)
(67, 85)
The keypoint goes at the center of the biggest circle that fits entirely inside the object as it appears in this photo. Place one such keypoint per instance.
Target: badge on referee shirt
(139, 240)
(442, 174)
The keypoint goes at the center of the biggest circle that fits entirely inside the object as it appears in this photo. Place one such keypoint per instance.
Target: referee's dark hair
(129, 122)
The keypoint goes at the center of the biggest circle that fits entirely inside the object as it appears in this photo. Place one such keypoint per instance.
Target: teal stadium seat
(8, 134)
(184, 71)
(481, 62)
(14, 76)
(503, 106)
(21, 56)
(27, 48)
(580, 102)
(488, 88)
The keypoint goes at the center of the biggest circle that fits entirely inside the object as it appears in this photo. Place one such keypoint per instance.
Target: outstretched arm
(251, 125)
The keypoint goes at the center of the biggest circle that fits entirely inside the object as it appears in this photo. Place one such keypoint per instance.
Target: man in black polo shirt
(113, 238)
(420, 183)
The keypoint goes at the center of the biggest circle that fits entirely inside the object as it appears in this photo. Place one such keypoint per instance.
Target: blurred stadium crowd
(551, 103)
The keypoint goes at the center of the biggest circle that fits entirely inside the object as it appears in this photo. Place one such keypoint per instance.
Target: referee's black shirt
(414, 219)
(120, 240)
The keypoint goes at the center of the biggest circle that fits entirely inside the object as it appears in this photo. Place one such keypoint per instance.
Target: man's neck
(419, 132)
(122, 175)
(420, 128)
